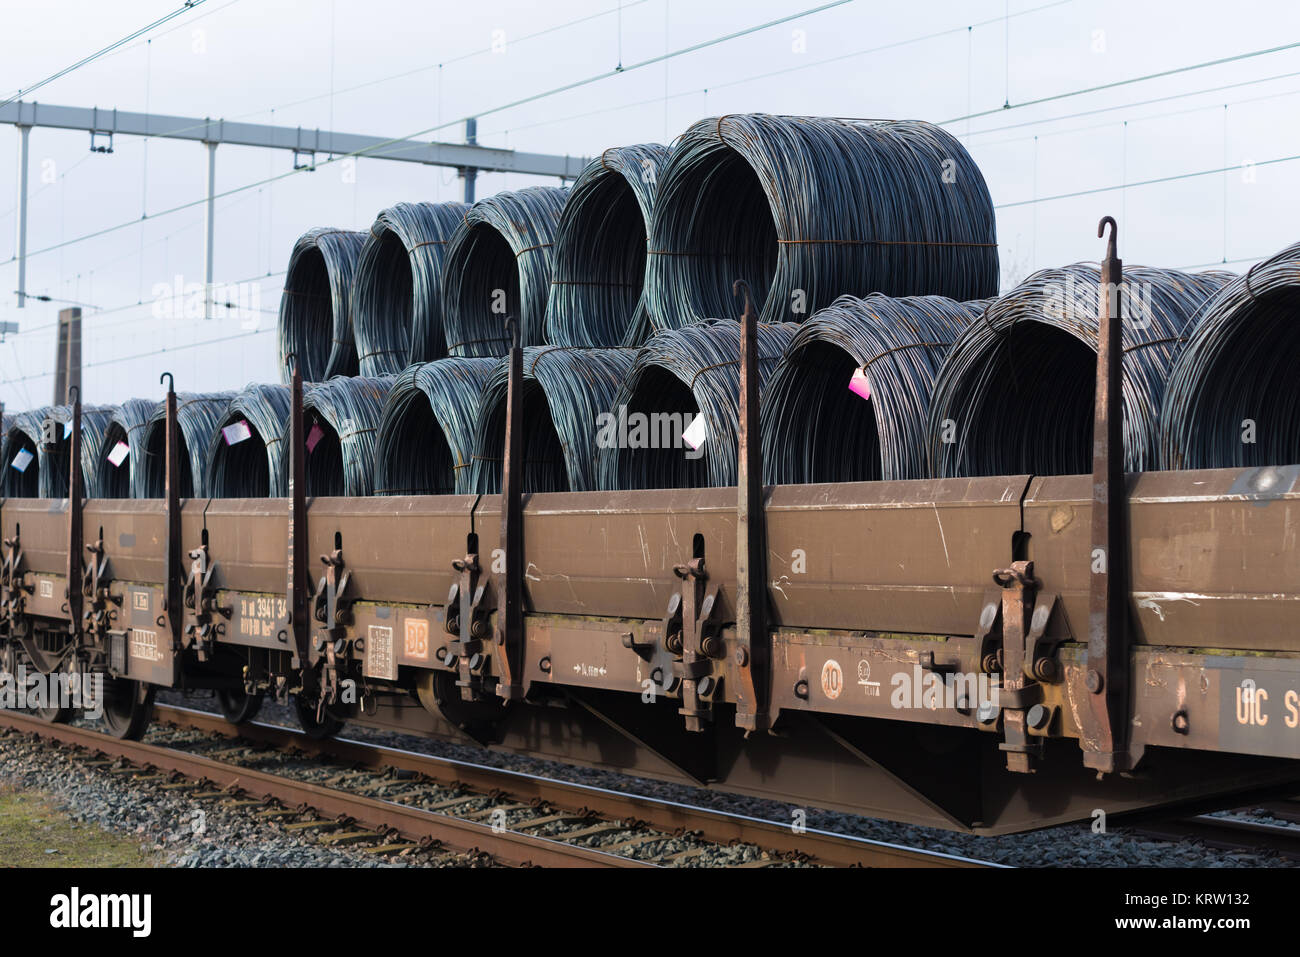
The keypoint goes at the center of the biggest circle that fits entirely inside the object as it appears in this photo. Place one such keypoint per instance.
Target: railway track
(1234, 834)
(396, 802)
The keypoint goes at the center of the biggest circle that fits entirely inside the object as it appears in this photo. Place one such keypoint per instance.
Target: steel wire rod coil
(678, 374)
(816, 428)
(47, 476)
(808, 209)
(341, 423)
(46, 473)
(24, 436)
(1232, 400)
(566, 389)
(316, 306)
(397, 287)
(1015, 393)
(95, 423)
(597, 295)
(196, 419)
(498, 265)
(252, 466)
(425, 442)
(129, 426)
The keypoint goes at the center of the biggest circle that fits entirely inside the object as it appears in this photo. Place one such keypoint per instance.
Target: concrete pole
(22, 219)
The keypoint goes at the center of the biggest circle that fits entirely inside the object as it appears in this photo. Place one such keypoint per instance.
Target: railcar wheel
(127, 707)
(238, 706)
(325, 727)
(52, 714)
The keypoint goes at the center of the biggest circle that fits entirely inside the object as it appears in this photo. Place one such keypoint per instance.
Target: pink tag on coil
(859, 385)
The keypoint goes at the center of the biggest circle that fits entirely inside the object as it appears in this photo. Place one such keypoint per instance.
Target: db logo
(832, 679)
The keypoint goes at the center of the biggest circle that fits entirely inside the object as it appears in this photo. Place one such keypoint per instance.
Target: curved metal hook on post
(1105, 719)
(171, 381)
(74, 394)
(741, 288)
(512, 331)
(291, 361)
(1114, 235)
(753, 646)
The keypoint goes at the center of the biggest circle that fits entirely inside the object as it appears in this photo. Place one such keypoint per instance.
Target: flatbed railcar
(822, 645)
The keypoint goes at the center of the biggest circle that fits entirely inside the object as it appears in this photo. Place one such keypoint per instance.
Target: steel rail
(411, 822)
(720, 827)
(1227, 833)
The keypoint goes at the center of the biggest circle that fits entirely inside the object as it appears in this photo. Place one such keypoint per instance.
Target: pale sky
(330, 63)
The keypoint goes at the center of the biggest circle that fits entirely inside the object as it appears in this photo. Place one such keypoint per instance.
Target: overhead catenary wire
(196, 419)
(119, 475)
(426, 432)
(1231, 399)
(1015, 394)
(677, 375)
(340, 427)
(387, 145)
(184, 8)
(251, 465)
(816, 428)
(598, 273)
(316, 306)
(397, 288)
(807, 209)
(565, 392)
(499, 265)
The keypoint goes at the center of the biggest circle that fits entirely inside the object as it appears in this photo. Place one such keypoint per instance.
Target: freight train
(980, 652)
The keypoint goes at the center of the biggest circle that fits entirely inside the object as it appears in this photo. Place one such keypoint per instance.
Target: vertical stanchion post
(75, 542)
(1105, 733)
(752, 653)
(509, 621)
(296, 599)
(173, 607)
